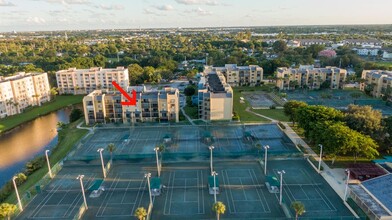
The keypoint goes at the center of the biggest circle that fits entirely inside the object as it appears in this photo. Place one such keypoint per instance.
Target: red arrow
(131, 100)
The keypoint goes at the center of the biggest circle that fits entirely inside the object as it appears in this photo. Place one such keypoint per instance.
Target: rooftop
(214, 83)
(381, 188)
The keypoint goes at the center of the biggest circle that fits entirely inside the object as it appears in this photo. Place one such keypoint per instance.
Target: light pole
(266, 147)
(321, 154)
(214, 174)
(156, 155)
(281, 186)
(211, 148)
(148, 176)
(47, 161)
(100, 150)
(17, 193)
(346, 189)
(80, 177)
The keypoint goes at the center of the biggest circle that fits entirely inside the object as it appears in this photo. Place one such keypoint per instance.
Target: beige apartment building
(215, 97)
(378, 82)
(21, 91)
(103, 106)
(310, 77)
(84, 81)
(239, 75)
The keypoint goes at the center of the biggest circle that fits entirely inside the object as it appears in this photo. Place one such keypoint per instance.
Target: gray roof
(381, 188)
(368, 200)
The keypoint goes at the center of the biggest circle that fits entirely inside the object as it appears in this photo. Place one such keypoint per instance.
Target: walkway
(85, 128)
(186, 116)
(263, 116)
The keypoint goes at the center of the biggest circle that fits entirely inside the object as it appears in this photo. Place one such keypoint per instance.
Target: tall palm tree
(219, 208)
(111, 148)
(298, 207)
(6, 210)
(140, 213)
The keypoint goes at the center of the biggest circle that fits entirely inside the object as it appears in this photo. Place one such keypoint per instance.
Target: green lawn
(192, 111)
(276, 114)
(240, 108)
(67, 139)
(34, 112)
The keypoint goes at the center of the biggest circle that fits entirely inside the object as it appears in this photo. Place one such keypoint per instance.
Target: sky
(44, 15)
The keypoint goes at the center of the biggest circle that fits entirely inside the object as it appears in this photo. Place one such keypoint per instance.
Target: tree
(135, 73)
(279, 46)
(219, 208)
(75, 115)
(365, 120)
(140, 213)
(299, 208)
(290, 109)
(189, 91)
(111, 148)
(53, 92)
(7, 210)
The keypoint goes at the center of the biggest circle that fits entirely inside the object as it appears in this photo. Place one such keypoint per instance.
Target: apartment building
(84, 81)
(239, 75)
(215, 98)
(103, 106)
(377, 82)
(22, 90)
(310, 77)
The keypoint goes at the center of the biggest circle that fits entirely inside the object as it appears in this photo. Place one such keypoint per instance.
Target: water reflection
(23, 143)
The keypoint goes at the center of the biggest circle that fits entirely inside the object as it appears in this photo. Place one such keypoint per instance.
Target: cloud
(200, 2)
(201, 12)
(5, 3)
(36, 20)
(111, 7)
(164, 7)
(69, 2)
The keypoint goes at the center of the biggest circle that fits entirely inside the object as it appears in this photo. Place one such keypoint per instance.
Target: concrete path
(86, 128)
(186, 116)
(263, 116)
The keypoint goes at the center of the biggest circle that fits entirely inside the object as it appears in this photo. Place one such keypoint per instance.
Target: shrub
(273, 106)
(281, 125)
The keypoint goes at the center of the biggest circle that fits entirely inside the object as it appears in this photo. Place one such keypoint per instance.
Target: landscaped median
(58, 103)
(67, 138)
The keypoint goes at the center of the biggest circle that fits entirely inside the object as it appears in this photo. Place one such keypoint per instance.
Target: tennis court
(62, 198)
(258, 99)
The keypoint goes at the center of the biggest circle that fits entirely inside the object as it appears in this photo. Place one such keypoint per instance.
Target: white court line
(254, 181)
(230, 192)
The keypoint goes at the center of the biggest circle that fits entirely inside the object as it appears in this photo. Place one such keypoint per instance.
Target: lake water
(27, 141)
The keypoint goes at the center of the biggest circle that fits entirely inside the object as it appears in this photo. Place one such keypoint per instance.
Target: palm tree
(298, 207)
(6, 210)
(140, 213)
(219, 208)
(111, 148)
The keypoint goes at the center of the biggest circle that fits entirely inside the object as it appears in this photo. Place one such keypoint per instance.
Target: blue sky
(28, 15)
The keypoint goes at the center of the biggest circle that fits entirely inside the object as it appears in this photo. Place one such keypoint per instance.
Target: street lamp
(80, 177)
(214, 174)
(156, 155)
(281, 186)
(148, 176)
(346, 189)
(266, 147)
(321, 154)
(102, 163)
(17, 193)
(47, 161)
(211, 148)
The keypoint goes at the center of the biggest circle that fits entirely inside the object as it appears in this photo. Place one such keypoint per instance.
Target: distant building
(376, 82)
(363, 42)
(103, 106)
(309, 42)
(215, 98)
(239, 75)
(387, 55)
(84, 81)
(367, 51)
(308, 76)
(21, 91)
(294, 43)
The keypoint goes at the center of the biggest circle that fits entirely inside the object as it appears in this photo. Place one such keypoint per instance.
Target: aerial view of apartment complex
(103, 106)
(239, 75)
(83, 81)
(310, 77)
(377, 82)
(22, 90)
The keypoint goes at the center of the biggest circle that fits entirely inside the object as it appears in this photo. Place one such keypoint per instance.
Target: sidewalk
(186, 116)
